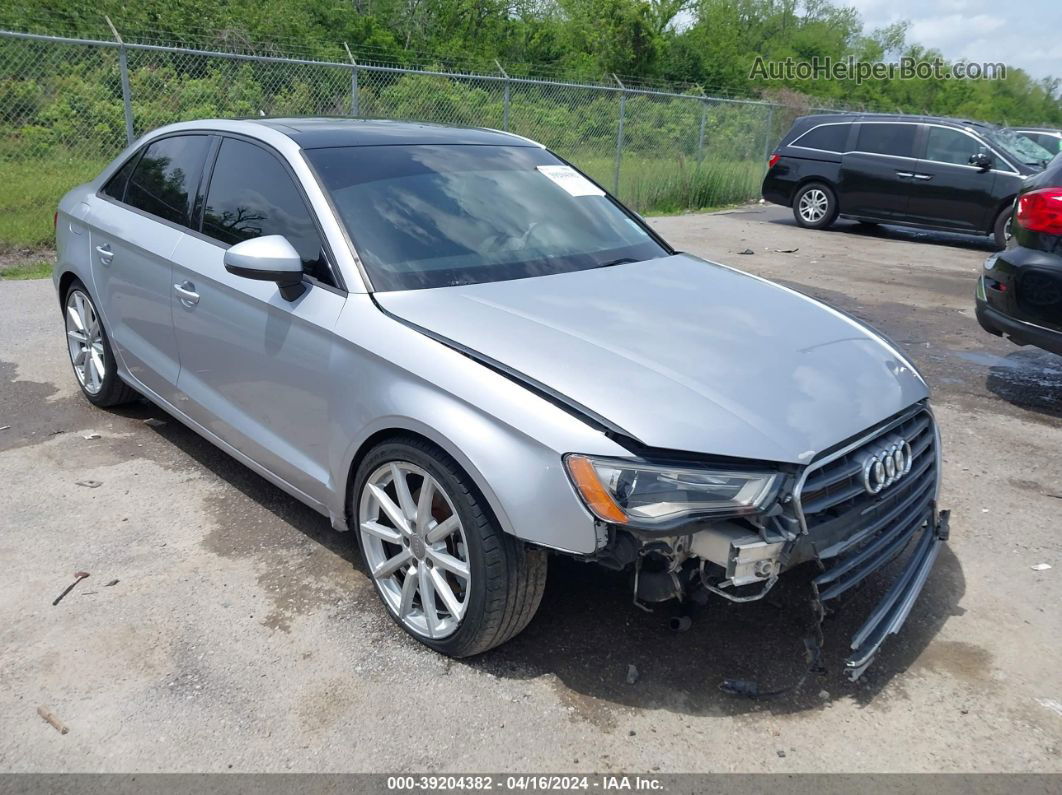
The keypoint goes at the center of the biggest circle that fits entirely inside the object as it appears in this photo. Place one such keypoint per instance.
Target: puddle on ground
(1025, 367)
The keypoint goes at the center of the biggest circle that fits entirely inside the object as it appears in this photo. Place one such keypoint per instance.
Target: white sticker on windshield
(571, 180)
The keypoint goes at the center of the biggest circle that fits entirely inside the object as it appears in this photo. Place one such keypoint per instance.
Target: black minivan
(960, 176)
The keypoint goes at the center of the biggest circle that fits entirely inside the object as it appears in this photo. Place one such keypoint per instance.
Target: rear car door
(947, 191)
(877, 172)
(135, 222)
(254, 366)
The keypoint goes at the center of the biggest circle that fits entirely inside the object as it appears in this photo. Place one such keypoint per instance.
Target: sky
(1022, 33)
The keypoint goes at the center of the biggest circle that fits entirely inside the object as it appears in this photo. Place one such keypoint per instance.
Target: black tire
(113, 390)
(507, 576)
(814, 220)
(1001, 228)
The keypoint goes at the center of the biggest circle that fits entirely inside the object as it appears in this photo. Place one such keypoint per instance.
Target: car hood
(682, 354)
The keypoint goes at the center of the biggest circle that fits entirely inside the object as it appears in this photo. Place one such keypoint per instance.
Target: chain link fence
(68, 106)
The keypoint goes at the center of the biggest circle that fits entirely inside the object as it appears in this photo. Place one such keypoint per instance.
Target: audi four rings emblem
(886, 465)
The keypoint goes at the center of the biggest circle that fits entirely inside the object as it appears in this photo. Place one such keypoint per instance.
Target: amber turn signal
(597, 498)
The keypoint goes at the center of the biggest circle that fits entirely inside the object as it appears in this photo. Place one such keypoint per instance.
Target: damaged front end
(851, 512)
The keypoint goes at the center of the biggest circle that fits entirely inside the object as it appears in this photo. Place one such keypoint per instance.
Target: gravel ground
(242, 633)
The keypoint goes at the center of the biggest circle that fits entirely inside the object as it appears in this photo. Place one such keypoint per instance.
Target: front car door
(876, 173)
(948, 191)
(135, 222)
(254, 365)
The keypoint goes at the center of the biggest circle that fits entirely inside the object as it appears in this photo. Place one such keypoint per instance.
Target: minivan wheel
(444, 569)
(815, 206)
(1001, 231)
(90, 351)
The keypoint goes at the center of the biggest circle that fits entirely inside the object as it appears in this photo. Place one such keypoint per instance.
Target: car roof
(321, 132)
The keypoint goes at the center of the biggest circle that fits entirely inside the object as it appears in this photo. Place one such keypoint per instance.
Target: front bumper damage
(827, 518)
(846, 570)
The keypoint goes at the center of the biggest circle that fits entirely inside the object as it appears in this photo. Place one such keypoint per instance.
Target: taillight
(1041, 211)
(774, 159)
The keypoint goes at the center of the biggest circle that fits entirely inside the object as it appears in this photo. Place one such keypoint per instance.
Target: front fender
(509, 440)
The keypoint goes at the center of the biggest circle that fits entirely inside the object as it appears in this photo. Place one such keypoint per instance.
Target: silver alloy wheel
(415, 548)
(84, 337)
(813, 205)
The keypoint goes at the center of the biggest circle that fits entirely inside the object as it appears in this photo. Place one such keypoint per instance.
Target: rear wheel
(815, 206)
(1001, 230)
(90, 351)
(444, 569)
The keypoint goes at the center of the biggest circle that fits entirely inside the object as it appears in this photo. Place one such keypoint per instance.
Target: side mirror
(268, 259)
(981, 160)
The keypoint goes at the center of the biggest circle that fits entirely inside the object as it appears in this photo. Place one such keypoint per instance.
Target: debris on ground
(781, 754)
(824, 695)
(109, 584)
(89, 484)
(1041, 567)
(51, 718)
(632, 674)
(4, 427)
(786, 250)
(747, 251)
(91, 435)
(152, 422)
(78, 577)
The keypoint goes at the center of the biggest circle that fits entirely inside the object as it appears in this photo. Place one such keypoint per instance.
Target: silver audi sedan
(456, 345)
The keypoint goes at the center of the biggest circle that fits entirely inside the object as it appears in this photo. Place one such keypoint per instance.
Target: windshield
(437, 216)
(1020, 148)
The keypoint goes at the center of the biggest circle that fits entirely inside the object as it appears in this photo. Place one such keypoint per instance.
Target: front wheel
(444, 569)
(815, 206)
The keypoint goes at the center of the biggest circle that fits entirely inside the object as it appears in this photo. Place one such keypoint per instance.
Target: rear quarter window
(827, 137)
(115, 187)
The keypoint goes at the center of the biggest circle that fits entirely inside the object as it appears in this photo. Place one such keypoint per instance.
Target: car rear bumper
(1021, 332)
(777, 191)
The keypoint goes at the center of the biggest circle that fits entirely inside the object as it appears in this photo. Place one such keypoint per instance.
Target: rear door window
(164, 182)
(251, 195)
(945, 145)
(828, 138)
(887, 138)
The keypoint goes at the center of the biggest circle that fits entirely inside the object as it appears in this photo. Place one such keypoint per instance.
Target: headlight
(626, 492)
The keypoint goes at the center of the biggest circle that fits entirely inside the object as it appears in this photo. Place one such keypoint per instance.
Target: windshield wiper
(620, 261)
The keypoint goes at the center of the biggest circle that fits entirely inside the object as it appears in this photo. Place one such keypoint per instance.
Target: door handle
(923, 176)
(105, 254)
(904, 174)
(186, 290)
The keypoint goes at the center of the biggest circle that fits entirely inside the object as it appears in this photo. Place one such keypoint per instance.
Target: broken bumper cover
(929, 532)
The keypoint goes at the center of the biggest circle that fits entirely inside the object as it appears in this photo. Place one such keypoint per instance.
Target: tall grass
(30, 190)
(657, 185)
(32, 187)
